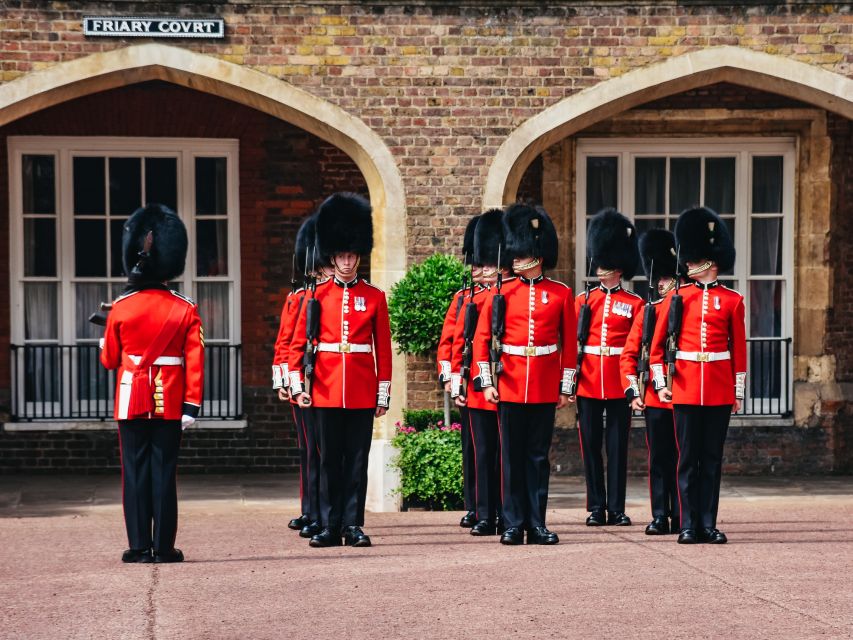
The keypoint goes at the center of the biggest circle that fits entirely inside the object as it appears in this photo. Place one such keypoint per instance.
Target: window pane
(40, 246)
(765, 308)
(161, 181)
(125, 185)
(89, 177)
(650, 178)
(600, 184)
(40, 320)
(90, 248)
(766, 247)
(720, 184)
(684, 175)
(213, 306)
(116, 229)
(210, 186)
(89, 296)
(767, 184)
(212, 247)
(644, 224)
(39, 185)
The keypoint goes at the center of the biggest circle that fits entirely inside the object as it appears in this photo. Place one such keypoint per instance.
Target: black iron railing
(768, 381)
(67, 382)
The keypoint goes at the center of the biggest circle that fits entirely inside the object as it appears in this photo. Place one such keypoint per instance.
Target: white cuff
(383, 398)
(445, 374)
(567, 383)
(740, 385)
(277, 376)
(455, 385)
(658, 377)
(485, 375)
(295, 383)
(633, 389)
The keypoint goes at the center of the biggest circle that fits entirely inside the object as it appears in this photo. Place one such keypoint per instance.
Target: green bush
(422, 419)
(418, 302)
(430, 464)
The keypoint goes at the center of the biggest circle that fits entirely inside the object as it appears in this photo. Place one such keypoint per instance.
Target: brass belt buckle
(703, 357)
(605, 351)
(344, 347)
(530, 351)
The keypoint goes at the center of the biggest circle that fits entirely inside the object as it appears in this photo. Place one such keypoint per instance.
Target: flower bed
(430, 464)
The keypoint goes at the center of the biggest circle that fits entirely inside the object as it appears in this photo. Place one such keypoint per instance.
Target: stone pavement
(784, 574)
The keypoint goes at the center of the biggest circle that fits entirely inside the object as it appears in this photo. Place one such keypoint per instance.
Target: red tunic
(630, 356)
(539, 314)
(176, 377)
(286, 327)
(353, 362)
(613, 313)
(476, 399)
(710, 368)
(444, 353)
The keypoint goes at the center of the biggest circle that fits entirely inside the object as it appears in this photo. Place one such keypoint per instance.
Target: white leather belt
(529, 351)
(703, 356)
(162, 361)
(602, 351)
(339, 347)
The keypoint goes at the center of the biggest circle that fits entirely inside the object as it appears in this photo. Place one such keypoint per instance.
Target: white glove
(186, 421)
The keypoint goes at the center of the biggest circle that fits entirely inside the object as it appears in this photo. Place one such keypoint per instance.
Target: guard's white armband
(658, 378)
(485, 375)
(740, 385)
(383, 397)
(295, 384)
(568, 382)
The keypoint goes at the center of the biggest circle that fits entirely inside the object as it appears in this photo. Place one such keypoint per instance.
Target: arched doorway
(163, 67)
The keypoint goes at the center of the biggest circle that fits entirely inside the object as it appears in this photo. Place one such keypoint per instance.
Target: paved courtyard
(786, 572)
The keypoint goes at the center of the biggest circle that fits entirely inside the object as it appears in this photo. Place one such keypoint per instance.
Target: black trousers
(525, 440)
(344, 437)
(663, 458)
(469, 489)
(309, 462)
(700, 434)
(484, 437)
(591, 419)
(149, 466)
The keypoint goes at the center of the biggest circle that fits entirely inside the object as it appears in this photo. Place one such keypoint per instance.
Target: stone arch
(763, 71)
(139, 63)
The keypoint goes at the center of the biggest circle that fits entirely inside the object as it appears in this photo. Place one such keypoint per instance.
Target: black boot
(596, 519)
(137, 556)
(298, 523)
(355, 537)
(513, 536)
(468, 520)
(326, 539)
(658, 527)
(541, 535)
(311, 530)
(172, 555)
(484, 528)
(713, 536)
(688, 536)
(618, 519)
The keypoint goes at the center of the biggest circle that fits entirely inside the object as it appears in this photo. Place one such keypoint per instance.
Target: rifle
(673, 327)
(649, 316)
(468, 331)
(498, 326)
(312, 325)
(584, 320)
(99, 318)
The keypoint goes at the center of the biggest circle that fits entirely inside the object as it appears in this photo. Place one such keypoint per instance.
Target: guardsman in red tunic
(446, 346)
(610, 309)
(155, 339)
(351, 381)
(526, 361)
(657, 250)
(705, 360)
(481, 415)
(317, 269)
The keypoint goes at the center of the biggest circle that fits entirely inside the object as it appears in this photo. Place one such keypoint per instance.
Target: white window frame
(64, 148)
(743, 148)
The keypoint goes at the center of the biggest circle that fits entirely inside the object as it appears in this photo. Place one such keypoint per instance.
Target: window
(749, 182)
(70, 198)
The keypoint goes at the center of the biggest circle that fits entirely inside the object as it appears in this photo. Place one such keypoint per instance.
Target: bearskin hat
(528, 231)
(344, 225)
(488, 238)
(306, 254)
(611, 243)
(657, 251)
(468, 240)
(167, 255)
(701, 235)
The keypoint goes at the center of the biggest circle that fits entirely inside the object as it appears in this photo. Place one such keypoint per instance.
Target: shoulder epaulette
(632, 293)
(186, 299)
(124, 296)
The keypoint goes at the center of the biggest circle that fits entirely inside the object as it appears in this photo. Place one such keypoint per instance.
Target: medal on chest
(359, 304)
(622, 309)
(544, 297)
(717, 303)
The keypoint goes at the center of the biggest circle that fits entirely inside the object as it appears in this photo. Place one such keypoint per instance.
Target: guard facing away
(340, 364)
(315, 269)
(481, 414)
(698, 358)
(525, 356)
(657, 251)
(605, 315)
(154, 338)
(446, 351)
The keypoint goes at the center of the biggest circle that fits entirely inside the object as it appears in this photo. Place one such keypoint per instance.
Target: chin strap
(668, 288)
(529, 265)
(697, 270)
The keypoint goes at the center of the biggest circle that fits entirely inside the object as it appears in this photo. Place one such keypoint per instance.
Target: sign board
(150, 27)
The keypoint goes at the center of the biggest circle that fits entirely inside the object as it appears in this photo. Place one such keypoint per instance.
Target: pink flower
(441, 423)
